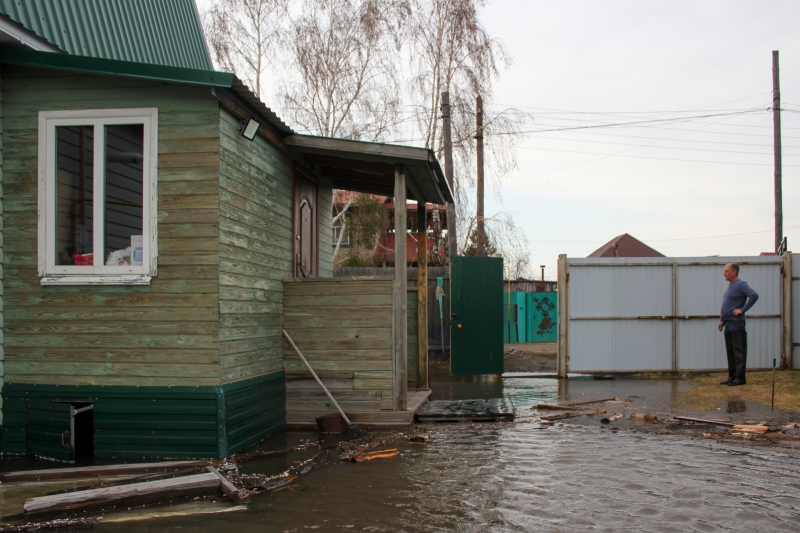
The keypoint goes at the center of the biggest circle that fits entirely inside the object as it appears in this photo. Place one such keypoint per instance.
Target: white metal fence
(661, 313)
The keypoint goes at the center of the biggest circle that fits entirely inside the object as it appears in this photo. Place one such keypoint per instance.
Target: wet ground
(530, 357)
(575, 476)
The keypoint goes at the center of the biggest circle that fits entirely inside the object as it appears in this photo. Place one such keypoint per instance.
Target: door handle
(64, 444)
(454, 316)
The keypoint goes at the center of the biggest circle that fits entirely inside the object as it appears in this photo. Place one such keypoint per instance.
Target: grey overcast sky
(623, 57)
(700, 187)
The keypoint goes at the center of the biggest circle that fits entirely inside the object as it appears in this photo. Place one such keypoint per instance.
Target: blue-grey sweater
(738, 295)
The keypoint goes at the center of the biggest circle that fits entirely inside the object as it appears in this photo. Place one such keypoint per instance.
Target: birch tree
(243, 35)
(342, 76)
(451, 51)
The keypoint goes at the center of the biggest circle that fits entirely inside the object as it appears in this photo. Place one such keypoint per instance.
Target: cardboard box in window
(137, 249)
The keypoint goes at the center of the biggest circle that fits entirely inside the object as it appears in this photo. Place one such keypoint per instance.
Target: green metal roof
(158, 32)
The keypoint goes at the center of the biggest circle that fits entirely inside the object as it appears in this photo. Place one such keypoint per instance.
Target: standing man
(736, 301)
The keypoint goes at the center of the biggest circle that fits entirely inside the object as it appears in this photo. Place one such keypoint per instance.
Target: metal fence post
(563, 317)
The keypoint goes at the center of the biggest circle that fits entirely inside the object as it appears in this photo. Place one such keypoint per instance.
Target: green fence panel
(542, 316)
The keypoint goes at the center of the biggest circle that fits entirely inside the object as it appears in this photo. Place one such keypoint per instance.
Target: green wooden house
(161, 227)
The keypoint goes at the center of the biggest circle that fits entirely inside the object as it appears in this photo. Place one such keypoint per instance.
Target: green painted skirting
(161, 421)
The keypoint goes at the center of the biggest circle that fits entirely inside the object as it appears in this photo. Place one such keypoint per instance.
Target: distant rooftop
(157, 32)
(625, 246)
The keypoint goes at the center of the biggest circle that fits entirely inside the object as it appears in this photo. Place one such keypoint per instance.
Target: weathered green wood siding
(325, 209)
(344, 329)
(2, 352)
(164, 334)
(255, 235)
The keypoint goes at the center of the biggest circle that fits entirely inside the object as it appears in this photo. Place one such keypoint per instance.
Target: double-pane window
(97, 196)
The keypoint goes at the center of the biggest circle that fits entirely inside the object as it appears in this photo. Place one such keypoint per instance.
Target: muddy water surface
(516, 478)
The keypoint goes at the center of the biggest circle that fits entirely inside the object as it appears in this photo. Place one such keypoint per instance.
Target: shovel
(352, 429)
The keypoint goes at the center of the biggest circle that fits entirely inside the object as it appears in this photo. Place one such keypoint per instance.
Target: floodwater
(565, 478)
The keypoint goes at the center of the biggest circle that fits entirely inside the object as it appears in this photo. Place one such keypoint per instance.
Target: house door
(306, 260)
(55, 430)
(476, 325)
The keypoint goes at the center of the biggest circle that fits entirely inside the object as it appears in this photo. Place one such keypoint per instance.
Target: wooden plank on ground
(99, 471)
(229, 488)
(123, 495)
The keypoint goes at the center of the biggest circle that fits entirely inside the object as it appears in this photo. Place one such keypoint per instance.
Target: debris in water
(759, 429)
(611, 418)
(418, 439)
(641, 417)
(371, 456)
(554, 407)
(277, 485)
(51, 524)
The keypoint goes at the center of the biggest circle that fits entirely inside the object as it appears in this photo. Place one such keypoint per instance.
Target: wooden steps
(416, 398)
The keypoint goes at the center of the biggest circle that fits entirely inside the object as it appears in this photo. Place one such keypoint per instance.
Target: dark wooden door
(306, 238)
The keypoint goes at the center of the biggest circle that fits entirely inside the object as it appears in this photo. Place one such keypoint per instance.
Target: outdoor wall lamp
(249, 131)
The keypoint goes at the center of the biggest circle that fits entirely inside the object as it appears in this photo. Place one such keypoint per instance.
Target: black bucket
(332, 423)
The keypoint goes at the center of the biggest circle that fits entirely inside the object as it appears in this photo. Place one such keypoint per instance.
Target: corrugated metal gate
(661, 314)
(796, 313)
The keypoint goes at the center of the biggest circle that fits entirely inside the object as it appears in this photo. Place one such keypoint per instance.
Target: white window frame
(53, 274)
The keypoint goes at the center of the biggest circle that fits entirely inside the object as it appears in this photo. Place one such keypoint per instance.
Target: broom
(352, 429)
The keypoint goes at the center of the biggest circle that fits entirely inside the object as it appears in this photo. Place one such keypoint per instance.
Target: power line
(669, 240)
(664, 147)
(648, 157)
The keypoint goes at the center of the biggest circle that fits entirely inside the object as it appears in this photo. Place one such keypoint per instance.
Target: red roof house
(625, 246)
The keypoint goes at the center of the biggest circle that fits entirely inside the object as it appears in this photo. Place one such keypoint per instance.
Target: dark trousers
(736, 348)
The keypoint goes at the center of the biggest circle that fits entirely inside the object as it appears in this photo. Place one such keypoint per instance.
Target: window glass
(124, 214)
(74, 190)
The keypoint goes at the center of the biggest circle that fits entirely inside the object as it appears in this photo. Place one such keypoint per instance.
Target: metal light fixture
(250, 130)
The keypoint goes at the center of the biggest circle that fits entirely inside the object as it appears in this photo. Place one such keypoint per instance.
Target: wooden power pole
(452, 243)
(776, 125)
(481, 244)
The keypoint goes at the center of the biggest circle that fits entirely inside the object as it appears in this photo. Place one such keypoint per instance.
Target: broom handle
(297, 351)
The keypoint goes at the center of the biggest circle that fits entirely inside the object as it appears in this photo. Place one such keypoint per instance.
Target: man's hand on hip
(738, 312)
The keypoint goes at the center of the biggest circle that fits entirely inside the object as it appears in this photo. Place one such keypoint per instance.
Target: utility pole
(481, 244)
(452, 243)
(776, 126)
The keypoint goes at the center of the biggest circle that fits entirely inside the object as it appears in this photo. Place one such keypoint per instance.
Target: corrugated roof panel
(160, 32)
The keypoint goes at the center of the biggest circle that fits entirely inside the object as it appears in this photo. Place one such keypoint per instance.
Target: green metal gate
(476, 328)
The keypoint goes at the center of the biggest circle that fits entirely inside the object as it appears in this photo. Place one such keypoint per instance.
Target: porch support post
(400, 291)
(422, 293)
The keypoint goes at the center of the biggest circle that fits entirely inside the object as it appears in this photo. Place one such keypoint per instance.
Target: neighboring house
(382, 254)
(625, 246)
(161, 226)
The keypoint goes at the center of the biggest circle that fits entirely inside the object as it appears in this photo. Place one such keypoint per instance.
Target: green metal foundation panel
(160, 421)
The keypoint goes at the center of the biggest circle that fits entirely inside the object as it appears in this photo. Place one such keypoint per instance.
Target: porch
(362, 335)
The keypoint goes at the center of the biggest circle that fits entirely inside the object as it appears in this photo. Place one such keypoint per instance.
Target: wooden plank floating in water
(494, 410)
(229, 488)
(124, 495)
(99, 471)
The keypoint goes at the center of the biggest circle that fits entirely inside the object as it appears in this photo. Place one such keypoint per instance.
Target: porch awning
(370, 167)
